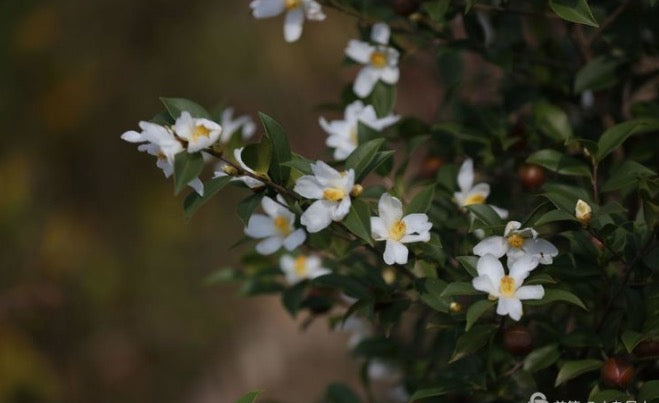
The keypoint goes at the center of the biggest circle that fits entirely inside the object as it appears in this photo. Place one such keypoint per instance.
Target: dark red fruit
(597, 243)
(532, 176)
(647, 348)
(429, 167)
(617, 373)
(405, 7)
(518, 340)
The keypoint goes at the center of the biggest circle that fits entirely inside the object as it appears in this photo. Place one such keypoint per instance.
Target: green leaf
(431, 294)
(552, 121)
(348, 285)
(194, 201)
(176, 106)
(557, 294)
(422, 201)
(469, 263)
(383, 98)
(247, 206)
(281, 149)
(573, 11)
(300, 163)
(258, 156)
(430, 392)
(340, 393)
(649, 391)
(292, 297)
(459, 288)
(613, 137)
(250, 397)
(476, 310)
(554, 216)
(436, 9)
(598, 74)
(486, 214)
(565, 197)
(541, 358)
(627, 174)
(572, 369)
(361, 158)
(186, 168)
(631, 339)
(559, 163)
(358, 220)
(472, 341)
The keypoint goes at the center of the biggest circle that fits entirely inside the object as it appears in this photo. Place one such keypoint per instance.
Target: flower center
(281, 223)
(507, 286)
(291, 4)
(333, 194)
(516, 241)
(398, 230)
(200, 131)
(379, 59)
(476, 198)
(301, 266)
(161, 156)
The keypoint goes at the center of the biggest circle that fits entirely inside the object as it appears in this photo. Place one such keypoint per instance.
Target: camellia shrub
(507, 251)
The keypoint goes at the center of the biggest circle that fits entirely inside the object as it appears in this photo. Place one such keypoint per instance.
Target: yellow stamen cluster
(200, 131)
(516, 241)
(282, 225)
(291, 4)
(301, 266)
(476, 198)
(398, 230)
(379, 59)
(333, 194)
(507, 287)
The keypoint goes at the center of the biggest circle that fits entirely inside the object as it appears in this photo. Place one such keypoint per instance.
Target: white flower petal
(390, 209)
(359, 51)
(324, 172)
(267, 8)
(530, 292)
(293, 24)
(484, 284)
(365, 81)
(380, 33)
(494, 245)
(307, 186)
(501, 212)
(317, 217)
(417, 222)
(287, 263)
(511, 307)
(482, 189)
(269, 245)
(490, 266)
(295, 239)
(390, 74)
(521, 267)
(466, 175)
(395, 253)
(132, 137)
(541, 248)
(260, 226)
(271, 207)
(379, 231)
(340, 210)
(356, 110)
(195, 184)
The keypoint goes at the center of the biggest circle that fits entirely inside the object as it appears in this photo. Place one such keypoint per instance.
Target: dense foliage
(551, 288)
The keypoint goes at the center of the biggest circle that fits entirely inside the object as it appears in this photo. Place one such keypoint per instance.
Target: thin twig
(608, 21)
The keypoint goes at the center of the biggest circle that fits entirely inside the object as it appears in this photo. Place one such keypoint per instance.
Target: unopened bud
(357, 190)
(583, 212)
(229, 170)
(389, 275)
(455, 307)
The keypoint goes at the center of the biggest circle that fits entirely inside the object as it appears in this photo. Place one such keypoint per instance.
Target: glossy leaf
(476, 310)
(186, 168)
(559, 163)
(176, 106)
(572, 369)
(281, 149)
(574, 11)
(358, 220)
(194, 201)
(361, 158)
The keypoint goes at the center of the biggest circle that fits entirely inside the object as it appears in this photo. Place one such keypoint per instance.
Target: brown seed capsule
(429, 167)
(518, 340)
(405, 7)
(532, 176)
(617, 373)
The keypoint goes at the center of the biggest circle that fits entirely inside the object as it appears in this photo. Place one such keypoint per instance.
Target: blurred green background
(102, 295)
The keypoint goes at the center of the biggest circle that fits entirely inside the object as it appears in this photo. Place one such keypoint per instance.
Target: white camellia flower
(277, 228)
(517, 242)
(160, 142)
(198, 132)
(231, 125)
(249, 181)
(380, 60)
(331, 190)
(343, 133)
(397, 230)
(301, 268)
(296, 12)
(469, 193)
(507, 288)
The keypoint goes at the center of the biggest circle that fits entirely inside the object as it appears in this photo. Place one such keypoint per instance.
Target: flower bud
(389, 275)
(617, 373)
(357, 190)
(518, 340)
(229, 170)
(583, 212)
(455, 307)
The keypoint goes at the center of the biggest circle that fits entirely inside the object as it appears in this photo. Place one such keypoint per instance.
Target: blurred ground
(101, 277)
